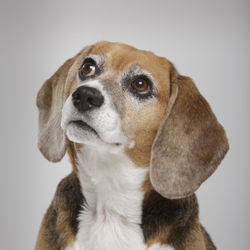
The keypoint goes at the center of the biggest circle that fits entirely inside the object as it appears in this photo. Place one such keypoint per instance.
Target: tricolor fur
(137, 156)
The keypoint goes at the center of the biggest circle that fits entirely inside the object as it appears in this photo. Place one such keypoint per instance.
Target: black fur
(52, 235)
(158, 212)
(69, 200)
(178, 215)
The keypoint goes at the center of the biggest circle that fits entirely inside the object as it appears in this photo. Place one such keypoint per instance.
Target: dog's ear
(190, 142)
(50, 100)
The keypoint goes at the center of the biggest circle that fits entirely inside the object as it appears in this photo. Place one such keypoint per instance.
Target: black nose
(86, 98)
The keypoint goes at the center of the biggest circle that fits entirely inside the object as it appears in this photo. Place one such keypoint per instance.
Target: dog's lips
(83, 125)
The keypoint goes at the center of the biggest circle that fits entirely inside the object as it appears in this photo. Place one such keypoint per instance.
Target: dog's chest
(112, 187)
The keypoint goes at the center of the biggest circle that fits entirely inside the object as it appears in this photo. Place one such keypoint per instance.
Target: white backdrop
(207, 40)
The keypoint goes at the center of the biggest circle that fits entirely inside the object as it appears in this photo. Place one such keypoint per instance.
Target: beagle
(141, 140)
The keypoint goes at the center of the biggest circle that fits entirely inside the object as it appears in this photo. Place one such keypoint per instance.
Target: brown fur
(72, 149)
(60, 224)
(144, 128)
(173, 222)
(50, 99)
(197, 242)
(188, 144)
(50, 102)
(159, 237)
(195, 239)
(42, 242)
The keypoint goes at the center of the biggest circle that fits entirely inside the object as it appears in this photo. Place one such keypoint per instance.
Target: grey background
(207, 40)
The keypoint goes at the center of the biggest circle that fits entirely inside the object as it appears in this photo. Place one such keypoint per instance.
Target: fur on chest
(112, 187)
(95, 211)
(122, 211)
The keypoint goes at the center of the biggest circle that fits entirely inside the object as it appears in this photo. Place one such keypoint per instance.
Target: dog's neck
(112, 214)
(111, 183)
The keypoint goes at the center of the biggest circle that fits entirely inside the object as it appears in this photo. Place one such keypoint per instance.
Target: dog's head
(122, 99)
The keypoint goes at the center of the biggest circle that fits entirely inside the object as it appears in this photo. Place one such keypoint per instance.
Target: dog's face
(118, 99)
(124, 100)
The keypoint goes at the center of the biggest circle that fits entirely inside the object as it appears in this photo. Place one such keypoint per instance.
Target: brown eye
(140, 85)
(88, 69)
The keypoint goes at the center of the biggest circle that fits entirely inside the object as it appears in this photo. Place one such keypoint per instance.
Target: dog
(141, 139)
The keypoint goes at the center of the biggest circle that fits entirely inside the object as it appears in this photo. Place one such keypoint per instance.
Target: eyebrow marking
(100, 63)
(99, 59)
(137, 70)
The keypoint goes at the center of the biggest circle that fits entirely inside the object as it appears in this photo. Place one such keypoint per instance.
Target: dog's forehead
(119, 56)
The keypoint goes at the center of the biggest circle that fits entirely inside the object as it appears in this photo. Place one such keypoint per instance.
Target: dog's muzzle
(86, 98)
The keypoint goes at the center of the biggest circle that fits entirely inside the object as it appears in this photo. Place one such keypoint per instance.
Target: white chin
(80, 135)
(88, 137)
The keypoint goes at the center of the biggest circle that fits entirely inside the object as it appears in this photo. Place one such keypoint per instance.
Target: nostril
(90, 100)
(76, 96)
(96, 100)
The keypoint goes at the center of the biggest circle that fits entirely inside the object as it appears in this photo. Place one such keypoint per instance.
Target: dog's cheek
(141, 128)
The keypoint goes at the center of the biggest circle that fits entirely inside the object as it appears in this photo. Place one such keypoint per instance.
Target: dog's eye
(88, 69)
(141, 86)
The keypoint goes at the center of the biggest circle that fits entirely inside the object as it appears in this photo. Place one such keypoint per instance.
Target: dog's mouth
(83, 125)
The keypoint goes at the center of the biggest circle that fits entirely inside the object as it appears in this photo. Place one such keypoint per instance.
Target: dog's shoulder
(174, 222)
(68, 195)
(60, 224)
(169, 221)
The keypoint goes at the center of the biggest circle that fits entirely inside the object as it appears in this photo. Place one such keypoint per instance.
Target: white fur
(158, 246)
(104, 120)
(111, 185)
(74, 246)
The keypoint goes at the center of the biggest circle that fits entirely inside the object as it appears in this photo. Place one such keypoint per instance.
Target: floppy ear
(50, 100)
(190, 142)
